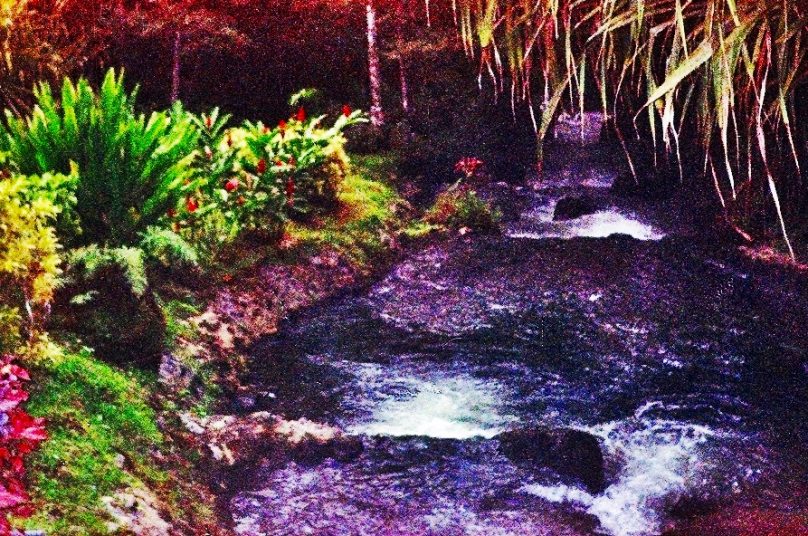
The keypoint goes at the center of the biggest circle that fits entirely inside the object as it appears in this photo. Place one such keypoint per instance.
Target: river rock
(570, 208)
(573, 454)
(240, 439)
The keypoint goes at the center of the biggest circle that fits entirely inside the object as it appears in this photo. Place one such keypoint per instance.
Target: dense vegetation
(118, 202)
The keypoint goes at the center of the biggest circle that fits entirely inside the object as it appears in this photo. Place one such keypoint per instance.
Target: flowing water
(686, 362)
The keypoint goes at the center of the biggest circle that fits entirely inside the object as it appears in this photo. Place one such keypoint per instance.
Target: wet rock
(136, 511)
(234, 440)
(573, 454)
(570, 208)
(174, 372)
(738, 521)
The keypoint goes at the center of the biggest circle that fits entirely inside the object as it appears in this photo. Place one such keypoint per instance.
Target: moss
(101, 433)
(368, 212)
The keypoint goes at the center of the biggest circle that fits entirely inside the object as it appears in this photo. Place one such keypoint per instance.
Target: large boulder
(573, 454)
(570, 208)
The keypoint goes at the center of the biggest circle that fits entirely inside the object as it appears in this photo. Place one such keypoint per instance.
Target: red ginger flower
(192, 205)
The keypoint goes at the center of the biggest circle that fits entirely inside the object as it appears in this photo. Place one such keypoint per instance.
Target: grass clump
(459, 208)
(101, 433)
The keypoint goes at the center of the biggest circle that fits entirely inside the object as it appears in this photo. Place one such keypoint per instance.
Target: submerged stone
(570, 208)
(573, 454)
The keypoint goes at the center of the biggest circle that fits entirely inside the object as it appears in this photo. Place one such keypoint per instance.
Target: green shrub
(301, 159)
(460, 207)
(250, 180)
(131, 168)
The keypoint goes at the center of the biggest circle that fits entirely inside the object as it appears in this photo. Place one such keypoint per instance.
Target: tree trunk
(376, 111)
(402, 71)
(175, 68)
(405, 92)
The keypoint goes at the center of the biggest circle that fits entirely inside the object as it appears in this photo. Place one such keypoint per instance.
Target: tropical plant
(19, 435)
(301, 157)
(132, 168)
(725, 71)
(38, 41)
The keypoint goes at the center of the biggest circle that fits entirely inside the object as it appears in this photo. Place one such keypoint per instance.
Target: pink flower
(468, 166)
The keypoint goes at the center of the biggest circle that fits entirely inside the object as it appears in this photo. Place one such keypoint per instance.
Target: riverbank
(120, 458)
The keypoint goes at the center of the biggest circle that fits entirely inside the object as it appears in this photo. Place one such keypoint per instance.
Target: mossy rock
(113, 310)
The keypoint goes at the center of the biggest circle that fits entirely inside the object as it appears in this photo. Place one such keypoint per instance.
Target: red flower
(282, 125)
(301, 114)
(208, 122)
(290, 191)
(232, 184)
(346, 110)
(278, 162)
(261, 168)
(468, 165)
(191, 204)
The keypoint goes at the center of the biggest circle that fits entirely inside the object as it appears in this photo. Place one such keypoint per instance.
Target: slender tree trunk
(402, 71)
(376, 110)
(175, 68)
(405, 92)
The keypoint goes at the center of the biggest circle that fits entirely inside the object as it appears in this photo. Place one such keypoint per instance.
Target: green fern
(131, 167)
(168, 248)
(88, 262)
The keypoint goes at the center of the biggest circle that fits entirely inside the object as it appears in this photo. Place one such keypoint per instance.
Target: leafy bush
(19, 435)
(131, 168)
(29, 251)
(301, 159)
(460, 207)
(253, 178)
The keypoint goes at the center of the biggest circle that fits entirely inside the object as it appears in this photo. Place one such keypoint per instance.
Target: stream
(684, 360)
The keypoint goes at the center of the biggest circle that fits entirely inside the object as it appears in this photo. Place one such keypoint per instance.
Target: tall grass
(719, 75)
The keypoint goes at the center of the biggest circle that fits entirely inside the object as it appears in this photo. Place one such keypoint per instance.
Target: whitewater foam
(661, 459)
(456, 407)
